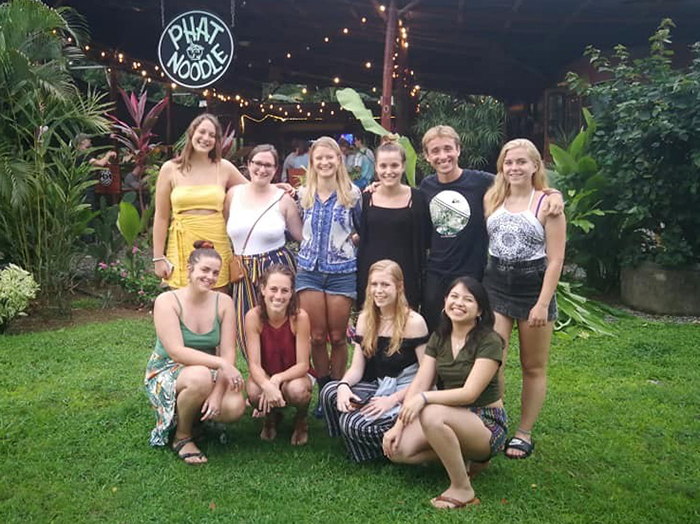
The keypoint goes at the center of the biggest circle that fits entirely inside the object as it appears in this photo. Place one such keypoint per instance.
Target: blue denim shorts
(331, 283)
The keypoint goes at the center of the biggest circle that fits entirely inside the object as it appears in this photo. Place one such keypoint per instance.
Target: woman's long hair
(214, 155)
(293, 306)
(485, 321)
(501, 187)
(371, 311)
(342, 179)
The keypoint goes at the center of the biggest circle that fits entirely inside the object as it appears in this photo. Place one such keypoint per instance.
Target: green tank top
(206, 342)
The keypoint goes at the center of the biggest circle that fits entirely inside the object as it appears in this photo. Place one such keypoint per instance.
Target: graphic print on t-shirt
(450, 213)
(512, 237)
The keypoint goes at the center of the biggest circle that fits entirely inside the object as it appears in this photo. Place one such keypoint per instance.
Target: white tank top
(516, 237)
(268, 234)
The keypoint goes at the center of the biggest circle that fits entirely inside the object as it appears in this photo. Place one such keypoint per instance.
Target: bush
(477, 119)
(17, 288)
(647, 145)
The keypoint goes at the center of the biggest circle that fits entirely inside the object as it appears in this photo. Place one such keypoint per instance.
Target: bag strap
(258, 220)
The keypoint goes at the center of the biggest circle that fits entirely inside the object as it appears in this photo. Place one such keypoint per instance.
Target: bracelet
(158, 259)
(342, 383)
(425, 399)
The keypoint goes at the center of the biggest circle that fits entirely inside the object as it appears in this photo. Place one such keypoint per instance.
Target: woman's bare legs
(413, 447)
(503, 326)
(534, 354)
(314, 303)
(454, 433)
(297, 392)
(337, 315)
(193, 386)
(271, 420)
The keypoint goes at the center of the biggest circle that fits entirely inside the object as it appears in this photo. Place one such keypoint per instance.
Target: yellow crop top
(205, 196)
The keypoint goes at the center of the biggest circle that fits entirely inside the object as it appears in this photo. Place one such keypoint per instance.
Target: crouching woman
(191, 376)
(464, 420)
(278, 336)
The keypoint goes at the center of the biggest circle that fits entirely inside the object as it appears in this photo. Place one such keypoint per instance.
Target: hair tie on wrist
(425, 399)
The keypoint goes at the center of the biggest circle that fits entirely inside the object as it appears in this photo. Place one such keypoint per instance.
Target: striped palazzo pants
(362, 436)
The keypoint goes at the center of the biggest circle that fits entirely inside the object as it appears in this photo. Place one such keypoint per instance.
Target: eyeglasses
(262, 165)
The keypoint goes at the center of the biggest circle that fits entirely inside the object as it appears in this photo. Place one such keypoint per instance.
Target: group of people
(426, 377)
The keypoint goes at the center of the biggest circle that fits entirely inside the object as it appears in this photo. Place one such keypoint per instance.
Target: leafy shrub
(43, 179)
(17, 288)
(140, 284)
(647, 144)
(477, 119)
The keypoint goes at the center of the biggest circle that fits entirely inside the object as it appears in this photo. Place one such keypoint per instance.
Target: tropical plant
(576, 172)
(477, 119)
(137, 138)
(17, 288)
(43, 178)
(647, 143)
(350, 100)
(108, 241)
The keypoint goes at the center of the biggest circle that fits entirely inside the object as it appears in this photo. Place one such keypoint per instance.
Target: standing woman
(192, 187)
(278, 335)
(395, 224)
(526, 254)
(191, 374)
(390, 343)
(326, 282)
(257, 216)
(464, 418)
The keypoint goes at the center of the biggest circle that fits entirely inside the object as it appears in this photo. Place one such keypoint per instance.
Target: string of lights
(152, 72)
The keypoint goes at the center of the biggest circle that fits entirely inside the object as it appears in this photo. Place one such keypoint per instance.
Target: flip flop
(456, 504)
(521, 445)
(177, 447)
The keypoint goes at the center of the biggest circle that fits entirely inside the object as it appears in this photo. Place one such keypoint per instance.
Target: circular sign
(195, 49)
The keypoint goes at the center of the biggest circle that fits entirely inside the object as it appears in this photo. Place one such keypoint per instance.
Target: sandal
(521, 445)
(456, 504)
(177, 447)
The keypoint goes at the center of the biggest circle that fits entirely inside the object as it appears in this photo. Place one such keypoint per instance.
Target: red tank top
(277, 348)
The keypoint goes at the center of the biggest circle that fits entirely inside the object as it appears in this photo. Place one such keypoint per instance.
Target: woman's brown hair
(214, 155)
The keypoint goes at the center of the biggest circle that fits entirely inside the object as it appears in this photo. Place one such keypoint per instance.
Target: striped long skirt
(245, 292)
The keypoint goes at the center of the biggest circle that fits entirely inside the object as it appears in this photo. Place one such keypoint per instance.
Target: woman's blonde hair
(214, 155)
(370, 310)
(342, 179)
(500, 189)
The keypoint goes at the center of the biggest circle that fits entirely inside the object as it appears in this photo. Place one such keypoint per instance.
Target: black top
(459, 240)
(381, 365)
(398, 234)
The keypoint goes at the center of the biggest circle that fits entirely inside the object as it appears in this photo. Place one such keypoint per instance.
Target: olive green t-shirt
(453, 373)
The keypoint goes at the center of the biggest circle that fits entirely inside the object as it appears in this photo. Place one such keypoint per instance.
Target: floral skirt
(160, 381)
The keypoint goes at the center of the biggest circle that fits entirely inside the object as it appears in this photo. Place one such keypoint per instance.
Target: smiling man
(459, 241)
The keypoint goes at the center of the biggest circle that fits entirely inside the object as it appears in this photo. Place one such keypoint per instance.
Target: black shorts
(514, 287)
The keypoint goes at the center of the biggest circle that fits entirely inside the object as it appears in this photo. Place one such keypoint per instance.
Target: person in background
(526, 255)
(327, 277)
(82, 144)
(278, 335)
(359, 161)
(389, 344)
(464, 420)
(191, 376)
(297, 159)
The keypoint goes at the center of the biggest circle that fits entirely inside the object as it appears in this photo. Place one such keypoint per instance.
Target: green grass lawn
(617, 442)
